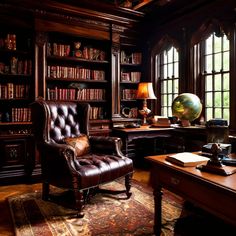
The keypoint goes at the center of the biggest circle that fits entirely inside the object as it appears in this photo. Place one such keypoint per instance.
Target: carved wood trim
(44, 25)
(165, 43)
(210, 26)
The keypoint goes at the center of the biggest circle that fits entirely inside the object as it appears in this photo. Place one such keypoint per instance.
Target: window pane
(218, 113)
(165, 72)
(164, 87)
(217, 45)
(208, 67)
(226, 43)
(226, 99)
(218, 62)
(217, 84)
(170, 70)
(176, 85)
(226, 114)
(209, 100)
(176, 69)
(226, 61)
(209, 45)
(162, 110)
(170, 55)
(217, 99)
(208, 83)
(164, 100)
(169, 100)
(176, 55)
(165, 57)
(226, 81)
(209, 113)
(169, 86)
(169, 111)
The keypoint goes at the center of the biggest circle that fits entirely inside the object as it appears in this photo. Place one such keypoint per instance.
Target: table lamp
(145, 91)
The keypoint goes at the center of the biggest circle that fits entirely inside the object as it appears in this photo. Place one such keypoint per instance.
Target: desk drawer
(206, 195)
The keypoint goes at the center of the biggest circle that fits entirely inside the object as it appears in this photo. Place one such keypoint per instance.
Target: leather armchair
(53, 121)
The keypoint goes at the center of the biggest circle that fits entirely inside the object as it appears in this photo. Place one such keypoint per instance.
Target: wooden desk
(130, 134)
(214, 193)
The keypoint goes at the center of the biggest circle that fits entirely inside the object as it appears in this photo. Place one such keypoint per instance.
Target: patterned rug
(105, 214)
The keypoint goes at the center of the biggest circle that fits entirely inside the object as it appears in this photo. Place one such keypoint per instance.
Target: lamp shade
(145, 91)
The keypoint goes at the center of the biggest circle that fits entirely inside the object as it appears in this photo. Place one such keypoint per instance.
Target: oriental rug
(105, 214)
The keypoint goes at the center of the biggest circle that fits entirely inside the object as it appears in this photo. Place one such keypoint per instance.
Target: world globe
(187, 106)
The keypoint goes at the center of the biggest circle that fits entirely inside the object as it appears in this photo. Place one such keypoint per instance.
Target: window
(167, 73)
(216, 77)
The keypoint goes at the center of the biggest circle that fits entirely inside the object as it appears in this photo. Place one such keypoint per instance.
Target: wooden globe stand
(185, 123)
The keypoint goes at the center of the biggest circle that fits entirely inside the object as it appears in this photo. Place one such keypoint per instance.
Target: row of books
(64, 50)
(22, 114)
(75, 73)
(16, 66)
(129, 94)
(75, 94)
(133, 76)
(9, 42)
(96, 113)
(133, 58)
(10, 91)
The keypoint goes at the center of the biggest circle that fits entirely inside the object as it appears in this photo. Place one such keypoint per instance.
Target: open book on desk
(187, 159)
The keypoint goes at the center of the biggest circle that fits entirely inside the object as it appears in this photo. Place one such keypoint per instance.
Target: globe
(187, 106)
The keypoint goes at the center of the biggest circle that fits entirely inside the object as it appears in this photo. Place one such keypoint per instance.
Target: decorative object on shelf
(145, 91)
(187, 107)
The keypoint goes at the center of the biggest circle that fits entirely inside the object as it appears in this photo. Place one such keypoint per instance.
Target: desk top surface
(227, 182)
(142, 129)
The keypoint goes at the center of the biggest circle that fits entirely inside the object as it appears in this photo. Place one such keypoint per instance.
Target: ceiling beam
(141, 4)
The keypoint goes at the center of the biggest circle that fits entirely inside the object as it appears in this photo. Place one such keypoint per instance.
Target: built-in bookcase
(78, 69)
(16, 93)
(131, 73)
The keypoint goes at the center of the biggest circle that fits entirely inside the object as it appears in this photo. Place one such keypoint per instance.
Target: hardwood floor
(6, 226)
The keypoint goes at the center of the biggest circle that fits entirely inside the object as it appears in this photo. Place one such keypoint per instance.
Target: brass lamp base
(144, 112)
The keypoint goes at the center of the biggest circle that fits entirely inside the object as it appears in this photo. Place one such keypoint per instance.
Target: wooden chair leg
(45, 193)
(79, 202)
(128, 185)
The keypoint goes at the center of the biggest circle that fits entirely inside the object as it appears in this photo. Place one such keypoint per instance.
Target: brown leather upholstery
(54, 121)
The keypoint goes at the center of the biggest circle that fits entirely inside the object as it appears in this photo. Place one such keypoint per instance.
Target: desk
(214, 193)
(130, 134)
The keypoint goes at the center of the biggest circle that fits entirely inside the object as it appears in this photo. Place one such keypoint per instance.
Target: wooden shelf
(14, 123)
(76, 59)
(76, 80)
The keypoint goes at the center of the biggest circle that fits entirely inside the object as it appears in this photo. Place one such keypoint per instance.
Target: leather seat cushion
(94, 169)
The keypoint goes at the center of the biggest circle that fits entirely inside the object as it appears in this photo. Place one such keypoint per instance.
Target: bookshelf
(78, 69)
(130, 76)
(16, 93)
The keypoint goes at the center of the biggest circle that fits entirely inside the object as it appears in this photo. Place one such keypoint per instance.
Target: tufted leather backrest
(55, 120)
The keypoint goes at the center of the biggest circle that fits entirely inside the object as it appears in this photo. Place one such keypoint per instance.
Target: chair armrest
(58, 155)
(53, 150)
(108, 145)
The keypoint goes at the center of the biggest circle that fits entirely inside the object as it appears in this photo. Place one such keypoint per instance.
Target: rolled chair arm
(55, 153)
(104, 144)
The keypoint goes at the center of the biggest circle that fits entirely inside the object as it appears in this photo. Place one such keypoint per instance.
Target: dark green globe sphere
(187, 106)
